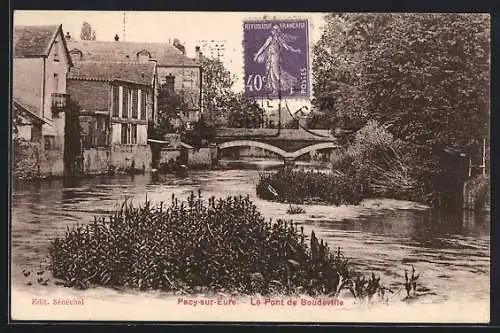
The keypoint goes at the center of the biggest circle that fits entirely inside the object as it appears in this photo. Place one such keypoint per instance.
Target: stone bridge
(287, 143)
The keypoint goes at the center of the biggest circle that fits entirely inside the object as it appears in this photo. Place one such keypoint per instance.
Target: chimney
(179, 46)
(197, 53)
(117, 38)
(68, 36)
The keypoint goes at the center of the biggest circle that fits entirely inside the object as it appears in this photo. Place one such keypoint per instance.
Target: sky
(191, 28)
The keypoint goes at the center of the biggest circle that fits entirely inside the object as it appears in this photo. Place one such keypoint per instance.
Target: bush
(222, 245)
(380, 163)
(26, 159)
(295, 210)
(479, 189)
(291, 186)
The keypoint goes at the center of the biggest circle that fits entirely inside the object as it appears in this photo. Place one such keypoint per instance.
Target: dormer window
(56, 50)
(143, 56)
(75, 55)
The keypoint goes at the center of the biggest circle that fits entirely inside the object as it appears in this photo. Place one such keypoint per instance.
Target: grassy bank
(223, 245)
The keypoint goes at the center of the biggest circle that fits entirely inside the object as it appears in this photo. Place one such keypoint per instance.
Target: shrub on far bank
(223, 245)
(380, 163)
(479, 189)
(300, 187)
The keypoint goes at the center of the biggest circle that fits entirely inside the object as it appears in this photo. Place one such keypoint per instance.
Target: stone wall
(168, 154)
(124, 157)
(96, 160)
(202, 157)
(117, 157)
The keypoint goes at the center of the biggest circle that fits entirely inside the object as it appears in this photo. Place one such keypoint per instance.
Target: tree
(86, 32)
(423, 76)
(168, 113)
(245, 113)
(223, 106)
(338, 59)
(217, 86)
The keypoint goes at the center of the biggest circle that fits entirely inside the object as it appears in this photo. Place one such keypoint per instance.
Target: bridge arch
(277, 150)
(251, 143)
(308, 149)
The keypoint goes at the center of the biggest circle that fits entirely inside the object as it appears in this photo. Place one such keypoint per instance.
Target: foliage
(224, 107)
(479, 189)
(301, 186)
(217, 83)
(86, 32)
(295, 210)
(425, 77)
(72, 142)
(380, 163)
(200, 135)
(26, 159)
(168, 113)
(26, 155)
(245, 113)
(224, 245)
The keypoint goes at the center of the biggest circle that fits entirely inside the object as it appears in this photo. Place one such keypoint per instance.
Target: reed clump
(222, 245)
(299, 187)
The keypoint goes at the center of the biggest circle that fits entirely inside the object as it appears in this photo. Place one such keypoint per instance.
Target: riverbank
(108, 304)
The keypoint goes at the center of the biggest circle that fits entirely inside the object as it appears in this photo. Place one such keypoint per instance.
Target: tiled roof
(141, 73)
(29, 109)
(33, 41)
(165, 54)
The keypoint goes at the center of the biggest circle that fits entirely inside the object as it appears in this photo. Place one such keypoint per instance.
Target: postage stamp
(276, 58)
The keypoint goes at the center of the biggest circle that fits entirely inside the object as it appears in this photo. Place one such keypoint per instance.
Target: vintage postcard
(250, 167)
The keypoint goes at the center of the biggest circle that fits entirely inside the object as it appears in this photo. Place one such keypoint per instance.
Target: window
(56, 50)
(170, 83)
(36, 133)
(134, 104)
(133, 134)
(55, 83)
(125, 102)
(116, 101)
(125, 134)
(49, 142)
(143, 56)
(144, 101)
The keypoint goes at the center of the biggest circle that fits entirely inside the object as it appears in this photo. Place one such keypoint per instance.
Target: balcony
(59, 103)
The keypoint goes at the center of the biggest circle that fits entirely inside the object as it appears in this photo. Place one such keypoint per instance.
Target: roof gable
(37, 40)
(134, 72)
(165, 54)
(33, 41)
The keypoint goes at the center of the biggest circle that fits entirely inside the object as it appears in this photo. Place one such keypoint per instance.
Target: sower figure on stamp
(273, 45)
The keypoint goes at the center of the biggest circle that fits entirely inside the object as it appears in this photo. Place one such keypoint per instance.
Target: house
(116, 100)
(40, 64)
(173, 67)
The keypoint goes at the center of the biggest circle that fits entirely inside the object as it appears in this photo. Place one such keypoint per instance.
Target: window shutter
(116, 101)
(134, 104)
(124, 134)
(125, 103)
(144, 102)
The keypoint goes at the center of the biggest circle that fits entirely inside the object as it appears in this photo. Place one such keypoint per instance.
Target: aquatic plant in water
(307, 186)
(220, 245)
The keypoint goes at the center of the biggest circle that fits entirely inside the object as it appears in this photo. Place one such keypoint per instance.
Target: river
(451, 250)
